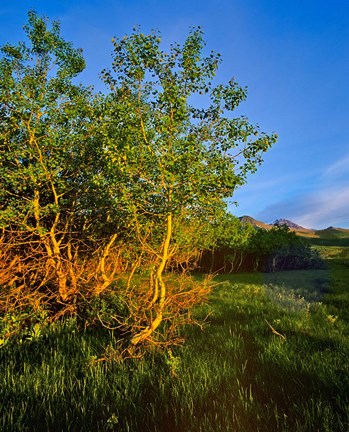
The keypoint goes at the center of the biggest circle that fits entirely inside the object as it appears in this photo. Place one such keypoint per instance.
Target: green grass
(234, 375)
(339, 241)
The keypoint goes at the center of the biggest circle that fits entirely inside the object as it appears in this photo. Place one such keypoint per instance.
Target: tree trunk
(160, 293)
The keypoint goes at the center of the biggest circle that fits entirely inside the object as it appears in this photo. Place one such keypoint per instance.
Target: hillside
(332, 233)
(329, 237)
(254, 222)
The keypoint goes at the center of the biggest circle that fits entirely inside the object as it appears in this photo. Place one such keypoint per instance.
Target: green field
(272, 356)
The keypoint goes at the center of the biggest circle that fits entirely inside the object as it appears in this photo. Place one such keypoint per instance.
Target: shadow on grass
(235, 375)
(284, 384)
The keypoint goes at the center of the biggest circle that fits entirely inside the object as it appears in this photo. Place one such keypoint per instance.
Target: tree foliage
(45, 121)
(103, 193)
(241, 247)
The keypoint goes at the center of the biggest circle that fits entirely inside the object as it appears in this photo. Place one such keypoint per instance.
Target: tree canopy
(102, 192)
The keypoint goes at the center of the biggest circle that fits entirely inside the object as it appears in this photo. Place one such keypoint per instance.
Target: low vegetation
(271, 356)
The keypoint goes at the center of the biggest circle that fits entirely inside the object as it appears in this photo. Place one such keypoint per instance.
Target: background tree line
(237, 246)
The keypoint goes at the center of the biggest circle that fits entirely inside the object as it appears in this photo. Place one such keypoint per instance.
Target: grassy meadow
(272, 356)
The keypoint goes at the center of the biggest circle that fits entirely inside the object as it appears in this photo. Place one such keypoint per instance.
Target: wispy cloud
(341, 166)
(331, 206)
(328, 207)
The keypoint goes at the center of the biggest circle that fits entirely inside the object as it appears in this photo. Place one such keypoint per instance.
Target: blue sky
(293, 55)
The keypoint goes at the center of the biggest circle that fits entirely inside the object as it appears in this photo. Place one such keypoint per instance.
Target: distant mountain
(259, 224)
(327, 233)
(293, 226)
(254, 222)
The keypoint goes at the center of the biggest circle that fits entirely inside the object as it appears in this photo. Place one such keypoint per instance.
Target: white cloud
(317, 210)
(330, 207)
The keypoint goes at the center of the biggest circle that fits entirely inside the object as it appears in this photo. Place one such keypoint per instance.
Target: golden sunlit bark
(160, 288)
(107, 279)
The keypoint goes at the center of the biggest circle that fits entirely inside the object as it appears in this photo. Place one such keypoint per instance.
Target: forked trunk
(160, 292)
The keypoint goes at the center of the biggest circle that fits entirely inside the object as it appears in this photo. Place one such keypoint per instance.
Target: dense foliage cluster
(101, 193)
(241, 247)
